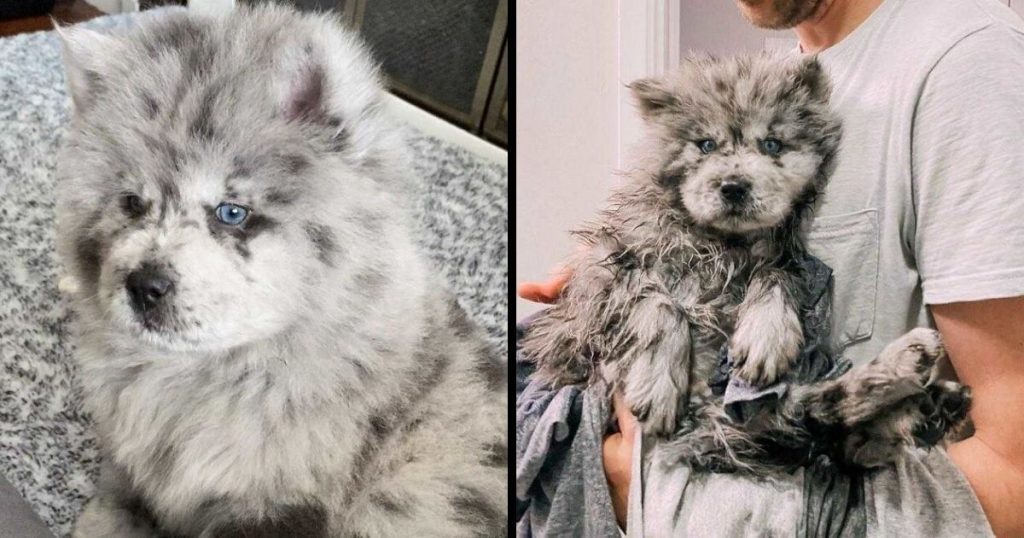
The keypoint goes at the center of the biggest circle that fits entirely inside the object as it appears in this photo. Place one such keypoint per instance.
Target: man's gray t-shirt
(926, 206)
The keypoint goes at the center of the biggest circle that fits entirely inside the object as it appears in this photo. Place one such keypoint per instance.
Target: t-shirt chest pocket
(849, 245)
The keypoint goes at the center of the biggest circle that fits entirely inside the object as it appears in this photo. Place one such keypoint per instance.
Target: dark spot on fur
(306, 520)
(201, 127)
(369, 281)
(472, 509)
(371, 221)
(496, 455)
(339, 140)
(258, 223)
(150, 106)
(278, 196)
(295, 163)
(371, 162)
(140, 512)
(398, 414)
(736, 132)
(240, 167)
(89, 257)
(396, 506)
(459, 322)
(169, 196)
(492, 370)
(379, 426)
(323, 241)
(362, 372)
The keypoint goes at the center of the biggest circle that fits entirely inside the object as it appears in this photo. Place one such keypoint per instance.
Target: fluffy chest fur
(195, 428)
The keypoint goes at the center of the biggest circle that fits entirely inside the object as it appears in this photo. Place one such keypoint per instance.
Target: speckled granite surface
(46, 448)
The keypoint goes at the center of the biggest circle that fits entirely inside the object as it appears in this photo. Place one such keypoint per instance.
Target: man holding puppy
(922, 222)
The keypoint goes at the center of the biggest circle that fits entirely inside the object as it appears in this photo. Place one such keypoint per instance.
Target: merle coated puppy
(264, 350)
(700, 250)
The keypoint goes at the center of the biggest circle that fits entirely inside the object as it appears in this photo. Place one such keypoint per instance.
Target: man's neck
(834, 20)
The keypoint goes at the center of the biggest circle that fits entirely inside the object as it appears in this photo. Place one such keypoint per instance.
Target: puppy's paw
(766, 341)
(658, 414)
(914, 355)
(944, 408)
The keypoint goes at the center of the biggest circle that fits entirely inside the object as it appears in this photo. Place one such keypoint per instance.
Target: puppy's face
(212, 193)
(742, 142)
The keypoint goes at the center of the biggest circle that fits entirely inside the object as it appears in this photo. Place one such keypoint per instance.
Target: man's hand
(985, 340)
(545, 292)
(618, 458)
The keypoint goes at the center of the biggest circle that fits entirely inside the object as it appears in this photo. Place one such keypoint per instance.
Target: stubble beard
(778, 14)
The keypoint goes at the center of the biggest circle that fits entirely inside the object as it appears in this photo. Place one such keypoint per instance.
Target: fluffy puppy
(262, 348)
(701, 248)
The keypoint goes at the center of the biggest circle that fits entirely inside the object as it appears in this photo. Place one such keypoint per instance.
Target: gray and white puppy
(264, 350)
(701, 248)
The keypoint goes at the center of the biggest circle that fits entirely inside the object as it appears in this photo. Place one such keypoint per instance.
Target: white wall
(566, 135)
(717, 27)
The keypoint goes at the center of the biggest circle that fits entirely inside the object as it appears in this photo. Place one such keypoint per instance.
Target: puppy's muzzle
(148, 288)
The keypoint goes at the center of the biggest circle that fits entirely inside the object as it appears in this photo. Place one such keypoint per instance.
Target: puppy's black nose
(148, 286)
(734, 190)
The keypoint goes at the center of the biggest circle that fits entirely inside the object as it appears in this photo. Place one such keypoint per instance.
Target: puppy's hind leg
(876, 409)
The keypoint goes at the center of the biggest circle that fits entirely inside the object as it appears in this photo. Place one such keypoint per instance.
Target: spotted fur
(306, 374)
(683, 263)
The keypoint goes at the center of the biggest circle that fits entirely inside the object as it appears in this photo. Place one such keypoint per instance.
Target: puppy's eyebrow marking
(278, 196)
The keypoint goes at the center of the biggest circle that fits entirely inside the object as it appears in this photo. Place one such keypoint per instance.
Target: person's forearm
(998, 484)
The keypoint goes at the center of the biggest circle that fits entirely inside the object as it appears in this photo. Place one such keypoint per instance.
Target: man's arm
(985, 340)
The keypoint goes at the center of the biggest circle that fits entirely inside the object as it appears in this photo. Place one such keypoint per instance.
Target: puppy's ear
(653, 97)
(307, 91)
(306, 97)
(811, 76)
(85, 54)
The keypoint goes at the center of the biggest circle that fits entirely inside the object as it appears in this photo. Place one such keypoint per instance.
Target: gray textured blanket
(46, 448)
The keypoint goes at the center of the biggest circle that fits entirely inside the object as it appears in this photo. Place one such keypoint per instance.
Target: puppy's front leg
(768, 334)
(658, 374)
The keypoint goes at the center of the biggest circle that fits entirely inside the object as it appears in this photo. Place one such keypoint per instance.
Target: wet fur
(671, 273)
(309, 376)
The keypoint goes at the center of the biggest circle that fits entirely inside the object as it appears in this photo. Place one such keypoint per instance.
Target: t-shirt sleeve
(968, 170)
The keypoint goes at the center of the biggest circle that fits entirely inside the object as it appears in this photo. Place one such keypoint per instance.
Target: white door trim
(648, 45)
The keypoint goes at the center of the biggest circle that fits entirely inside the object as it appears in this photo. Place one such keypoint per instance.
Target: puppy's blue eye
(231, 214)
(771, 146)
(707, 146)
